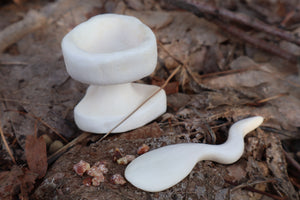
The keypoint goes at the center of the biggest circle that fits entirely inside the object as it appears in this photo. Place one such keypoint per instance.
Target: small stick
(169, 54)
(261, 44)
(287, 18)
(273, 196)
(252, 184)
(251, 189)
(258, 102)
(287, 134)
(224, 14)
(292, 161)
(84, 135)
(23, 102)
(51, 128)
(43, 122)
(271, 98)
(184, 65)
(59, 152)
(232, 71)
(218, 15)
(6, 145)
(31, 22)
(13, 63)
(157, 91)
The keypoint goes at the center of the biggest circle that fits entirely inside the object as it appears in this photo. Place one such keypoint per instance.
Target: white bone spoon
(164, 167)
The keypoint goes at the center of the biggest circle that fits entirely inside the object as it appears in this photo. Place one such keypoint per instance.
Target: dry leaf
(153, 19)
(16, 181)
(171, 88)
(9, 182)
(27, 183)
(36, 155)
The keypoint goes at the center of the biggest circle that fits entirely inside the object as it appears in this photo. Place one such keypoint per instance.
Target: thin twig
(261, 44)
(253, 183)
(24, 102)
(43, 122)
(292, 161)
(145, 101)
(258, 102)
(220, 15)
(232, 71)
(11, 34)
(287, 134)
(295, 182)
(251, 189)
(287, 18)
(240, 18)
(84, 135)
(272, 98)
(169, 54)
(185, 67)
(6, 145)
(59, 152)
(13, 63)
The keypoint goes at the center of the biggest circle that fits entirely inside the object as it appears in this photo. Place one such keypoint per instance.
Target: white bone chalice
(110, 51)
(164, 167)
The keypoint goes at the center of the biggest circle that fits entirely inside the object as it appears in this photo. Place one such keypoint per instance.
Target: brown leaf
(171, 87)
(9, 182)
(27, 183)
(16, 181)
(36, 155)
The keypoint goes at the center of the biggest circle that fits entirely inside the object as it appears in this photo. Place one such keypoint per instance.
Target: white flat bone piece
(164, 167)
(103, 107)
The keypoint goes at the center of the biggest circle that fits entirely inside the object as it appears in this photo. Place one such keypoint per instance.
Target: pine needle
(59, 152)
(84, 135)
(41, 121)
(6, 145)
(145, 101)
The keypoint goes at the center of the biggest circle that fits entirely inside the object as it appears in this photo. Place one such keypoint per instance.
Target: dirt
(221, 80)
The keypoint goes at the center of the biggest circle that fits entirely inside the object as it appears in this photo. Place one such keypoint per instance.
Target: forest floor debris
(216, 81)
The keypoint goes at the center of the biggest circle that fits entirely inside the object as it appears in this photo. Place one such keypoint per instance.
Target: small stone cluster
(99, 169)
(96, 172)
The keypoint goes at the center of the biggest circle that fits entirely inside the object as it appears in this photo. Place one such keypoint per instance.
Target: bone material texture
(164, 167)
(108, 105)
(110, 51)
